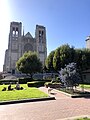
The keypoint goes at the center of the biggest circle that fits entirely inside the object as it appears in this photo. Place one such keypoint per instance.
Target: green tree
(86, 59)
(49, 61)
(56, 59)
(65, 55)
(82, 58)
(29, 63)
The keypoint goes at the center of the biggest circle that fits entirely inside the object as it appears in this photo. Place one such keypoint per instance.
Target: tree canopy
(49, 61)
(29, 63)
(65, 54)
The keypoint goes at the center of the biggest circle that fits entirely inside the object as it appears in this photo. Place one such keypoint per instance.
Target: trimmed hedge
(6, 82)
(35, 84)
(25, 80)
(48, 84)
(52, 85)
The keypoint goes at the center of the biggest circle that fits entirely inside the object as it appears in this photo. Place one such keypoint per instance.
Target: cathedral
(19, 43)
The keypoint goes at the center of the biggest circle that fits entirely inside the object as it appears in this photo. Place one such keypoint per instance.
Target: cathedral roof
(28, 35)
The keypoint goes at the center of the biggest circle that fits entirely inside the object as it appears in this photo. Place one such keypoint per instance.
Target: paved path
(62, 107)
(54, 93)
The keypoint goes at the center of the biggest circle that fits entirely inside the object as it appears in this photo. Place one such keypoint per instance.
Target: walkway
(55, 93)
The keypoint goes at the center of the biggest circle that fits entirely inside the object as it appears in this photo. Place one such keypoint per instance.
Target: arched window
(28, 47)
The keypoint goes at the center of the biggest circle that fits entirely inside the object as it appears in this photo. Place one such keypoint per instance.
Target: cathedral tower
(12, 52)
(40, 36)
(16, 29)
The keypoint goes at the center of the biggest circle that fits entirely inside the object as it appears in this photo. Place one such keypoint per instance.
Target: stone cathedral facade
(19, 43)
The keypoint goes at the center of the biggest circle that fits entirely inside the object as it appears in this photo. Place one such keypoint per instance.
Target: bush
(58, 79)
(48, 84)
(52, 85)
(25, 80)
(6, 82)
(38, 76)
(47, 80)
(35, 84)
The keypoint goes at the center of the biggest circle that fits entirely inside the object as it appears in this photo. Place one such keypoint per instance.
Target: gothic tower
(12, 52)
(40, 36)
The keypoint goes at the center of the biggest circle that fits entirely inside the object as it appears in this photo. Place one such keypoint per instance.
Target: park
(66, 85)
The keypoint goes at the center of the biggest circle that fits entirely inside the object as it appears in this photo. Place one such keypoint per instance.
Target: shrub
(6, 82)
(69, 75)
(25, 80)
(52, 85)
(38, 76)
(35, 84)
(47, 80)
(57, 80)
(47, 84)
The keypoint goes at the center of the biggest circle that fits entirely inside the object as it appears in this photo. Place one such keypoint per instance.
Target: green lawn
(83, 118)
(85, 86)
(27, 93)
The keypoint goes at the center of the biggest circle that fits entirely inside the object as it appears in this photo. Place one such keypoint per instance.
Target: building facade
(19, 43)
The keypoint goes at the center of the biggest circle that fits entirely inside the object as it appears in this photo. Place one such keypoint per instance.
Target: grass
(66, 90)
(85, 86)
(83, 118)
(76, 92)
(27, 93)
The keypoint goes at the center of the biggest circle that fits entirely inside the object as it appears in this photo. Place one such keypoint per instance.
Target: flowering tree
(69, 75)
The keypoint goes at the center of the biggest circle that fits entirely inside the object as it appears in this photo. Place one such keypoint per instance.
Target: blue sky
(66, 21)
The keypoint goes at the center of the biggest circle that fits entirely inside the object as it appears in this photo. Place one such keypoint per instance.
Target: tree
(82, 58)
(86, 59)
(29, 63)
(49, 61)
(56, 59)
(65, 54)
(69, 75)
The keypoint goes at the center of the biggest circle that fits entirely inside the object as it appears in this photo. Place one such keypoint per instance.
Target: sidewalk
(54, 93)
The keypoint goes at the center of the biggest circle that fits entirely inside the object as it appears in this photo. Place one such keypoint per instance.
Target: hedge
(52, 85)
(35, 84)
(25, 80)
(8, 82)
